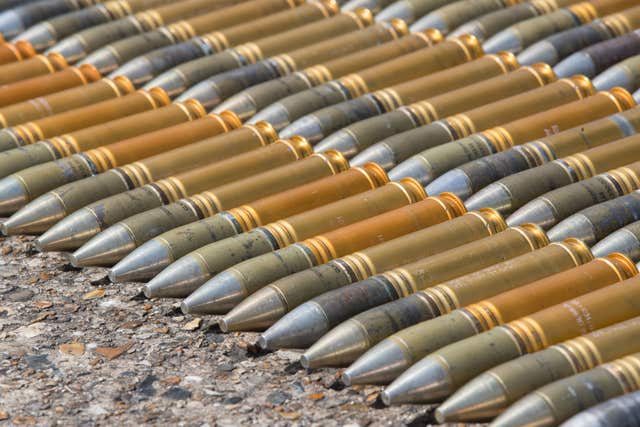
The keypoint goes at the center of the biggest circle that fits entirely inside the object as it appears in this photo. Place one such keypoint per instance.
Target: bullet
(442, 372)
(10, 4)
(265, 94)
(513, 192)
(63, 134)
(300, 287)
(322, 313)
(155, 255)
(427, 311)
(596, 222)
(409, 10)
(215, 90)
(626, 241)
(256, 273)
(109, 247)
(18, 51)
(212, 259)
(66, 100)
(32, 67)
(406, 67)
(246, 103)
(374, 6)
(433, 162)
(77, 46)
(449, 17)
(45, 34)
(182, 77)
(520, 90)
(619, 411)
(143, 68)
(550, 208)
(490, 23)
(80, 226)
(523, 34)
(557, 47)
(489, 394)
(25, 90)
(623, 74)
(69, 194)
(595, 59)
(560, 400)
(17, 19)
(315, 126)
(31, 180)
(473, 176)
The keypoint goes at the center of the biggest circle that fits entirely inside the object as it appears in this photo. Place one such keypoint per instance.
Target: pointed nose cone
(415, 167)
(578, 63)
(217, 296)
(622, 240)
(339, 347)
(10, 24)
(138, 71)
(105, 249)
(40, 36)
(103, 59)
(143, 263)
(342, 141)
(481, 399)
(504, 40)
(531, 410)
(255, 313)
(206, 92)
(179, 279)
(70, 233)
(71, 48)
(379, 153)
(400, 9)
(36, 217)
(425, 382)
(300, 328)
(308, 127)
(455, 181)
(576, 226)
(171, 81)
(242, 104)
(429, 21)
(380, 365)
(13, 195)
(542, 51)
(276, 114)
(537, 211)
(356, 4)
(494, 196)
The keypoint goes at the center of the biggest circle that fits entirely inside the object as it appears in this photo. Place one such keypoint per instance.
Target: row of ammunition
(441, 196)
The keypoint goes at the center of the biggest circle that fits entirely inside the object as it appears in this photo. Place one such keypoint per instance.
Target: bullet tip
(184, 307)
(305, 362)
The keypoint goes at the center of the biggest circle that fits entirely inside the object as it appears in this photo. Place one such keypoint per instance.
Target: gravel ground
(78, 350)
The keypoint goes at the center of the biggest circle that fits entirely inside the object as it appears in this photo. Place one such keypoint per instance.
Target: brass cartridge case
(97, 155)
(525, 186)
(65, 100)
(525, 374)
(617, 411)
(36, 66)
(18, 51)
(71, 233)
(467, 358)
(360, 135)
(300, 287)
(423, 313)
(480, 173)
(342, 304)
(560, 400)
(25, 90)
(219, 256)
(149, 224)
(435, 58)
(434, 162)
(142, 68)
(214, 90)
(267, 93)
(182, 240)
(451, 16)
(161, 153)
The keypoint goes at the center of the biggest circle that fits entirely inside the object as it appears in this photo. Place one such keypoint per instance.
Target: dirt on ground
(76, 349)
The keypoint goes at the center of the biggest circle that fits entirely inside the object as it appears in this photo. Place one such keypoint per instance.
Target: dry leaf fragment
(3, 415)
(24, 420)
(97, 293)
(172, 380)
(112, 352)
(193, 325)
(290, 415)
(74, 348)
(315, 396)
(43, 304)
